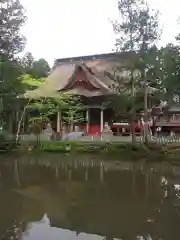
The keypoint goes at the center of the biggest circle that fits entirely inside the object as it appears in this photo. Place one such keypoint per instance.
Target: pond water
(53, 197)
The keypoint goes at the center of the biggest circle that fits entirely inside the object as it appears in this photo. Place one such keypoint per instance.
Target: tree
(40, 112)
(11, 42)
(41, 68)
(28, 62)
(36, 68)
(163, 72)
(10, 86)
(126, 29)
(47, 107)
(137, 31)
(148, 34)
(11, 19)
(73, 114)
(170, 68)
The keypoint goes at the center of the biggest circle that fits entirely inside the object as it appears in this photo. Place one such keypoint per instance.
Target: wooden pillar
(59, 122)
(87, 120)
(102, 119)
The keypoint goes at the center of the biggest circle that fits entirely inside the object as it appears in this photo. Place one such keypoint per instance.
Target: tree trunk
(145, 107)
(20, 121)
(1, 111)
(133, 111)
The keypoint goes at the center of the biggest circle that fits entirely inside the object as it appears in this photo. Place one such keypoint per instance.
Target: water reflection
(88, 198)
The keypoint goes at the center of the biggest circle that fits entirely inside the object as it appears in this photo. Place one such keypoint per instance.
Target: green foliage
(45, 108)
(169, 59)
(10, 86)
(48, 107)
(3, 136)
(11, 42)
(57, 146)
(136, 32)
(73, 113)
(75, 147)
(7, 144)
(36, 68)
(12, 18)
(30, 83)
(40, 68)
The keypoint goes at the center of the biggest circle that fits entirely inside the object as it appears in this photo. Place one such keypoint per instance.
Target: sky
(68, 28)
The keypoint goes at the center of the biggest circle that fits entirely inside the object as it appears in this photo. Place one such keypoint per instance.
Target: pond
(52, 197)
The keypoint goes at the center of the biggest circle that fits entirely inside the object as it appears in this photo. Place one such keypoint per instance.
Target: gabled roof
(94, 67)
(90, 77)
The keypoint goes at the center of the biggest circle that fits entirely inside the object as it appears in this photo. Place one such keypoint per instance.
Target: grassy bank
(151, 151)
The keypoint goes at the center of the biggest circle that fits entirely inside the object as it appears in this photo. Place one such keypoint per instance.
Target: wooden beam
(93, 106)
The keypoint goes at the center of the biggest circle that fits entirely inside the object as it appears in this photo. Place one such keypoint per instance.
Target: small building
(169, 119)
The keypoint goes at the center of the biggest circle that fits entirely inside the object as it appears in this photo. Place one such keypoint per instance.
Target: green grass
(73, 146)
(150, 152)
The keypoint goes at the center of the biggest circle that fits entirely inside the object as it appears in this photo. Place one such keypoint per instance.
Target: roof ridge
(86, 58)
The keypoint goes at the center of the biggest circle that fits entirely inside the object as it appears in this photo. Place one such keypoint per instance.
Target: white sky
(60, 28)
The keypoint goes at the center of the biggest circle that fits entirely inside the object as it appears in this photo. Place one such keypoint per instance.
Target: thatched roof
(55, 81)
(64, 72)
(95, 73)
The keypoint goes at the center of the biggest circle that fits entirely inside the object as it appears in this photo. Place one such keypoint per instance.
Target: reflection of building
(91, 78)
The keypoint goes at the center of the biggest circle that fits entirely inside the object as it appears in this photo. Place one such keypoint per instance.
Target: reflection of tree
(92, 206)
(16, 173)
(10, 209)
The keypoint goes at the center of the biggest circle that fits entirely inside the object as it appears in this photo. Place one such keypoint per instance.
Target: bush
(6, 143)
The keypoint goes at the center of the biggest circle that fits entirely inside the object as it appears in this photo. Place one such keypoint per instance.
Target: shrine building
(91, 78)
